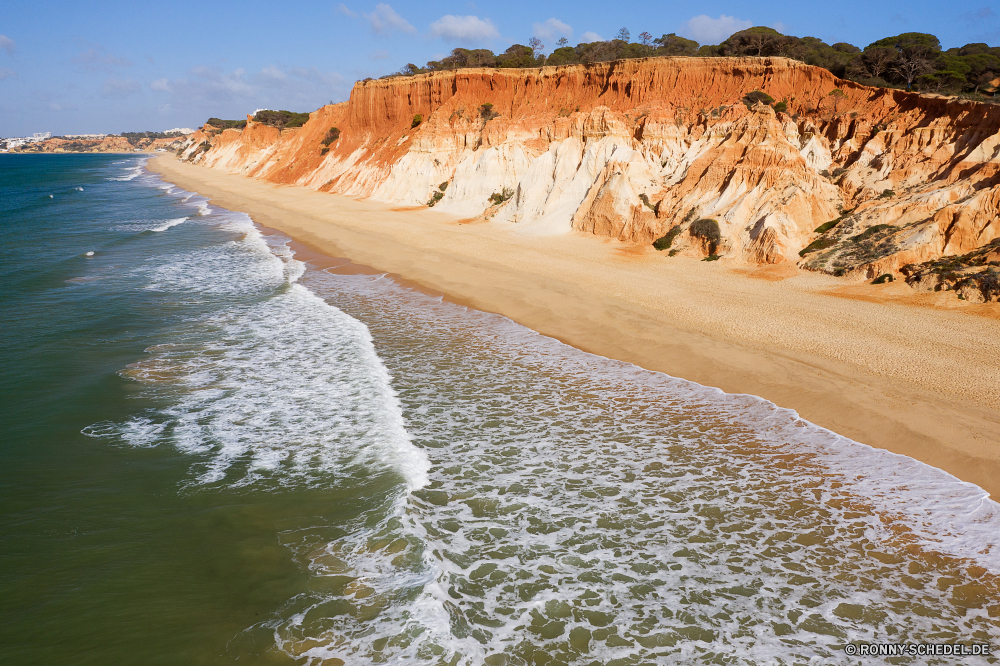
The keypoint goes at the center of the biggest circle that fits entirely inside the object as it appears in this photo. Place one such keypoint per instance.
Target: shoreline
(916, 374)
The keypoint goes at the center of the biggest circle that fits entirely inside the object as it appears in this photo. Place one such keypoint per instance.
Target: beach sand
(917, 374)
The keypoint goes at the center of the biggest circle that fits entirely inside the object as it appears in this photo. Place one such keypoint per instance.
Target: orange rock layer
(634, 149)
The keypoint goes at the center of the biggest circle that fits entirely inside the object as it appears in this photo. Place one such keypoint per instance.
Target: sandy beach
(917, 374)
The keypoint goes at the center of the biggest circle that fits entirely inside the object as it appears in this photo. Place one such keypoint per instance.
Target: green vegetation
(911, 60)
(706, 229)
(817, 245)
(136, 136)
(781, 107)
(869, 232)
(751, 98)
(499, 197)
(826, 226)
(417, 119)
(887, 194)
(437, 196)
(486, 112)
(882, 279)
(645, 202)
(712, 257)
(226, 124)
(978, 270)
(664, 242)
(281, 119)
(443, 186)
(332, 135)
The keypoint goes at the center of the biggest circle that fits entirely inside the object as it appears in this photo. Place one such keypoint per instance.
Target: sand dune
(917, 374)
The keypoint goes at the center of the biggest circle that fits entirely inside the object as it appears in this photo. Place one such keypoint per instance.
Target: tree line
(911, 60)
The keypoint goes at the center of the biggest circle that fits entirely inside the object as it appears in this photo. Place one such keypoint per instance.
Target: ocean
(215, 452)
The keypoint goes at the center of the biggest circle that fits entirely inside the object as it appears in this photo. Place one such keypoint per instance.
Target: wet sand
(917, 374)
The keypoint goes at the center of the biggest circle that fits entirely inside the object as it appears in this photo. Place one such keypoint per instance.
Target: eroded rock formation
(634, 149)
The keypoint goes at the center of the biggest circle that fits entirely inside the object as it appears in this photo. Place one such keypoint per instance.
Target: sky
(108, 66)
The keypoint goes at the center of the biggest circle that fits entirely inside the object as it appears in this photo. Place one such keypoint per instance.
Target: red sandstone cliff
(633, 149)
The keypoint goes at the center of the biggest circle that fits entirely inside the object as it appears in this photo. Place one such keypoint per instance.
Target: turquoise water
(215, 453)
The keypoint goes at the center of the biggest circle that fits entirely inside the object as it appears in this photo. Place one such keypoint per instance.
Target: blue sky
(113, 66)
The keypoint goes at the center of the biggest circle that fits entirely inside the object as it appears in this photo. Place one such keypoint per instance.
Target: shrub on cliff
(226, 124)
(708, 231)
(519, 56)
(281, 119)
(499, 197)
(751, 98)
(332, 135)
(664, 242)
(486, 112)
(417, 119)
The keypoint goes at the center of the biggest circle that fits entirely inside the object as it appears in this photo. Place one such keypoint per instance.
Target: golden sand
(917, 374)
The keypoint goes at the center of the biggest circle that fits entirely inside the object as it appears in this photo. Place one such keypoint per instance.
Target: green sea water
(213, 453)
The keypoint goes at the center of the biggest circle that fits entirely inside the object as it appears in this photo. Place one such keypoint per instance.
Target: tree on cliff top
(281, 119)
(673, 45)
(912, 59)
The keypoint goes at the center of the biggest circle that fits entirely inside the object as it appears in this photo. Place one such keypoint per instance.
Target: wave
(271, 387)
(170, 223)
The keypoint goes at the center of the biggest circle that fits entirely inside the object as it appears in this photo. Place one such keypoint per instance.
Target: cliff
(107, 144)
(640, 150)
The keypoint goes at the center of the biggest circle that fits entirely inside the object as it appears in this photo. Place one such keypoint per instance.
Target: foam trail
(170, 223)
(273, 387)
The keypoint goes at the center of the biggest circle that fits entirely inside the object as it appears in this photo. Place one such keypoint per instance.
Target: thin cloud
(7, 73)
(590, 37)
(466, 29)
(7, 44)
(384, 20)
(780, 27)
(708, 30)
(551, 30)
(342, 9)
(380, 54)
(119, 88)
(211, 91)
(98, 59)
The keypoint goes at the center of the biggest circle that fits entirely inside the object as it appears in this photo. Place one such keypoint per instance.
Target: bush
(712, 257)
(882, 279)
(226, 124)
(886, 194)
(331, 135)
(781, 107)
(751, 98)
(645, 201)
(437, 196)
(826, 226)
(486, 112)
(499, 197)
(417, 119)
(443, 186)
(664, 242)
(817, 245)
(706, 229)
(869, 232)
(281, 119)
